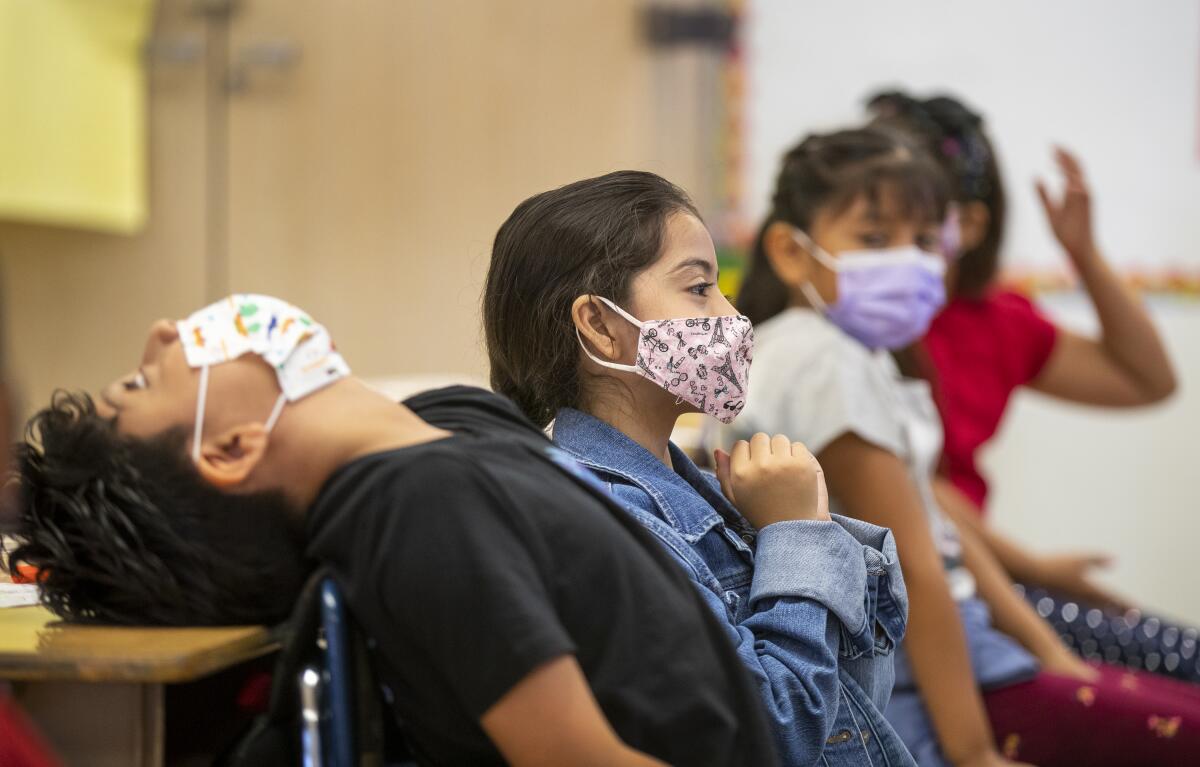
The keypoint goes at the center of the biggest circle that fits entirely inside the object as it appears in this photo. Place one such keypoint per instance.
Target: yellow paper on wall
(73, 112)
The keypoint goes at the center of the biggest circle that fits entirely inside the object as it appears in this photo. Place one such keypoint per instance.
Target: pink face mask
(704, 361)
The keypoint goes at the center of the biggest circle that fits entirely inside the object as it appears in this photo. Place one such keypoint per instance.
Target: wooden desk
(97, 691)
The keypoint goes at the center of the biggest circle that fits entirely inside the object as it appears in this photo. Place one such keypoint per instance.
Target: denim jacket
(814, 608)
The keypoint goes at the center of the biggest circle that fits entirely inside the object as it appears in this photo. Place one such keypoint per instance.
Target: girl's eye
(138, 381)
(874, 239)
(701, 289)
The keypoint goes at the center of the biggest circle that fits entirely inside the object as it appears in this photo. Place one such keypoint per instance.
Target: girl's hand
(772, 479)
(1063, 662)
(1071, 216)
(1070, 575)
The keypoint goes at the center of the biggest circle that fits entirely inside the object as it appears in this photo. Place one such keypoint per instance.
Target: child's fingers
(781, 445)
(1044, 196)
(1069, 163)
(758, 448)
(741, 452)
(822, 493)
(721, 460)
(800, 450)
(1099, 560)
(739, 457)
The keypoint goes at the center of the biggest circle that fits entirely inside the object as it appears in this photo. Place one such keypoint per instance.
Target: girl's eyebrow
(702, 264)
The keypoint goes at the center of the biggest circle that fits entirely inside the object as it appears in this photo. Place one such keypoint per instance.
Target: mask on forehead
(299, 350)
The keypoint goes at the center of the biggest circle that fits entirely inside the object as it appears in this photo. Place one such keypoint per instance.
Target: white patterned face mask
(299, 350)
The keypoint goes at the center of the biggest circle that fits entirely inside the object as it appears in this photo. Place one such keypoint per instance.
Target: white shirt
(814, 383)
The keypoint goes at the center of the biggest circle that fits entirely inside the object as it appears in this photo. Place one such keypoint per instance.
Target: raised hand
(1070, 215)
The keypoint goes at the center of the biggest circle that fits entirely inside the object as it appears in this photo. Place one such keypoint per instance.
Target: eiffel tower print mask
(703, 361)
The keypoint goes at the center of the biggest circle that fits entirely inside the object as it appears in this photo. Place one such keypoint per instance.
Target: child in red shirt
(988, 341)
(976, 380)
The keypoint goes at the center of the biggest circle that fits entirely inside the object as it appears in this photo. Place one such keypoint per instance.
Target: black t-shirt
(472, 560)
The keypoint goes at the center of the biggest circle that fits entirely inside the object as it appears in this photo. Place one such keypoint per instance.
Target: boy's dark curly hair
(124, 530)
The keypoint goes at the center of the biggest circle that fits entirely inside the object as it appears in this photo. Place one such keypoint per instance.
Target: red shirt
(981, 350)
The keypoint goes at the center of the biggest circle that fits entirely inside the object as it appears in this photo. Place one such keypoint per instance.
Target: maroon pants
(1123, 719)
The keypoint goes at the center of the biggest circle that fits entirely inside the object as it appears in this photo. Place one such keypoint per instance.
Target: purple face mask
(886, 298)
(703, 361)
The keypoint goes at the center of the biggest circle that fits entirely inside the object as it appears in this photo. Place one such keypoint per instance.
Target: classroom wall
(1118, 81)
(1120, 482)
(75, 304)
(361, 175)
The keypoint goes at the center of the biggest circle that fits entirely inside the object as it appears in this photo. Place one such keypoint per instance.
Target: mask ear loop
(814, 297)
(275, 411)
(606, 363)
(822, 258)
(632, 320)
(201, 401)
(201, 397)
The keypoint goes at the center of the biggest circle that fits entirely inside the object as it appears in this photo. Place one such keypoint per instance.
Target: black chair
(326, 708)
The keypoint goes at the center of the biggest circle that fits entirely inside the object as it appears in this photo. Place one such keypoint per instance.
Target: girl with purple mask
(846, 273)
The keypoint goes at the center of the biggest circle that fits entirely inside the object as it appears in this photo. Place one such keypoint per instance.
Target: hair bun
(949, 115)
(891, 103)
(953, 115)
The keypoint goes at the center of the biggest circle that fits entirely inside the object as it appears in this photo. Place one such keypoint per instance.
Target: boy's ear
(227, 459)
(595, 328)
(973, 221)
(790, 260)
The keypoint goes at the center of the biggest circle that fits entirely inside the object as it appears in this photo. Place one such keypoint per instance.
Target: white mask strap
(823, 258)
(620, 311)
(604, 363)
(820, 254)
(275, 411)
(201, 396)
(814, 298)
(201, 400)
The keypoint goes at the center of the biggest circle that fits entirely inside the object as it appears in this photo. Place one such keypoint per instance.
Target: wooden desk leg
(153, 724)
(98, 724)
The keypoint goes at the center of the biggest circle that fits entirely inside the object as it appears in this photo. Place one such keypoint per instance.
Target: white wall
(1118, 81)
(1128, 483)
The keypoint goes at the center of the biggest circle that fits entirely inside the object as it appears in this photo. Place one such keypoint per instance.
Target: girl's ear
(790, 260)
(973, 221)
(596, 328)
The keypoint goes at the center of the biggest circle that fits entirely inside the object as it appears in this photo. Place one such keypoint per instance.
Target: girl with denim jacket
(849, 267)
(601, 314)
